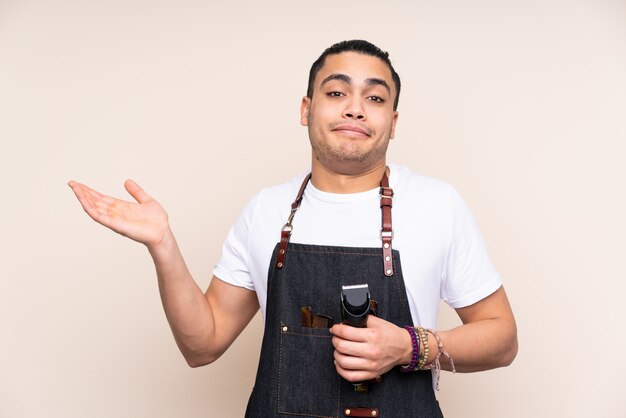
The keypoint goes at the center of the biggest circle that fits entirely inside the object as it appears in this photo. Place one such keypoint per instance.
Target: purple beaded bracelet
(412, 366)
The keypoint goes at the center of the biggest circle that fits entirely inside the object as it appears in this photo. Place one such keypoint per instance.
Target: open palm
(144, 221)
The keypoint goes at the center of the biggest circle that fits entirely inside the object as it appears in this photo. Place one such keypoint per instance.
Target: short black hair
(362, 47)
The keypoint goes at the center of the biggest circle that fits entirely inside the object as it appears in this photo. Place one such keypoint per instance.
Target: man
(334, 237)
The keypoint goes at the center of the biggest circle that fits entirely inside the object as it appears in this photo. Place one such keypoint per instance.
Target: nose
(354, 110)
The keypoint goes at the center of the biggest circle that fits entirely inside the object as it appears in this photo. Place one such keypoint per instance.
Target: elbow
(199, 358)
(195, 364)
(198, 353)
(198, 361)
(508, 358)
(510, 352)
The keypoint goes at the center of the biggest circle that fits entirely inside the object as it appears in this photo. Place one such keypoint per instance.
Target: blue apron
(296, 376)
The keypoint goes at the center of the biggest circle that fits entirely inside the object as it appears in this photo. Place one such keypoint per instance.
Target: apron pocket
(308, 383)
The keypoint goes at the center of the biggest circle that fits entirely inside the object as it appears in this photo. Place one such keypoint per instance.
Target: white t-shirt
(442, 253)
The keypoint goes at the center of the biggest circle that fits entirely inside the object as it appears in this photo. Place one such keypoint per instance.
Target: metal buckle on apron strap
(384, 190)
(290, 218)
(386, 234)
(285, 233)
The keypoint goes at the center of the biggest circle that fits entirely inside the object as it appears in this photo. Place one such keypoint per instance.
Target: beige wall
(520, 104)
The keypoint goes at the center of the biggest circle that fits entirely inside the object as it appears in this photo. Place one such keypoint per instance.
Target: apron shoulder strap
(386, 231)
(285, 233)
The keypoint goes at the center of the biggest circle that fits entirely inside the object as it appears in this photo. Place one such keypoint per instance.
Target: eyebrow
(348, 80)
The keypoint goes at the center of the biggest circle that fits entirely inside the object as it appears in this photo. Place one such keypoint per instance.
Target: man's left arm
(486, 340)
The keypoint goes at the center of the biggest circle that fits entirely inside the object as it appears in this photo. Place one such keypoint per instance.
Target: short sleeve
(233, 266)
(469, 274)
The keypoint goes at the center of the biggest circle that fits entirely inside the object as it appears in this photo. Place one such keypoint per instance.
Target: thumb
(373, 321)
(136, 192)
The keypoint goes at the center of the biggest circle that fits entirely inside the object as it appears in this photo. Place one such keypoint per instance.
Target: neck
(330, 180)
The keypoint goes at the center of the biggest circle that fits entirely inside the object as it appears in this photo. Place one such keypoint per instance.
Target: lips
(351, 129)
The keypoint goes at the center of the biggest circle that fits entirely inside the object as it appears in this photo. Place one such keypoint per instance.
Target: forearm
(477, 346)
(486, 340)
(186, 307)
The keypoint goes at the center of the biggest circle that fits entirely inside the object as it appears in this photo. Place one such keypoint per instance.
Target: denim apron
(296, 376)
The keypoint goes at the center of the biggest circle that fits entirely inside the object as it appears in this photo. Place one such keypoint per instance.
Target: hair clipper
(355, 305)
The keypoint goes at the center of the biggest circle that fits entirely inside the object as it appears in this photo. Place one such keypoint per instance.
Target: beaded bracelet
(423, 336)
(412, 366)
(436, 364)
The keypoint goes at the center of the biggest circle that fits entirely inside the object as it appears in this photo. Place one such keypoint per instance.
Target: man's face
(350, 117)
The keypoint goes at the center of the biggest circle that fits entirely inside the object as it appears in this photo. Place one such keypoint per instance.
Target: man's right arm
(204, 324)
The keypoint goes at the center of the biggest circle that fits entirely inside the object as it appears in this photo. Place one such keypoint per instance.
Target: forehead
(358, 67)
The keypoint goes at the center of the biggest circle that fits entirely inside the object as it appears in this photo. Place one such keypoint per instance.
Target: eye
(376, 99)
(335, 94)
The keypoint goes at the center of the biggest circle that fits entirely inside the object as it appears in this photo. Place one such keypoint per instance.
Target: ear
(304, 111)
(393, 124)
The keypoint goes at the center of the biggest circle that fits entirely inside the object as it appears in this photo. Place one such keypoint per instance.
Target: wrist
(411, 357)
(162, 249)
(432, 343)
(407, 349)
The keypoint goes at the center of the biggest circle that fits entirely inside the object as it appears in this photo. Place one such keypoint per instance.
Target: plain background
(519, 104)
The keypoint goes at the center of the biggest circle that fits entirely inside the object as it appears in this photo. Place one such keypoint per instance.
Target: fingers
(364, 353)
(355, 369)
(95, 204)
(348, 332)
(350, 362)
(81, 190)
(145, 223)
(349, 348)
(355, 375)
(136, 192)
